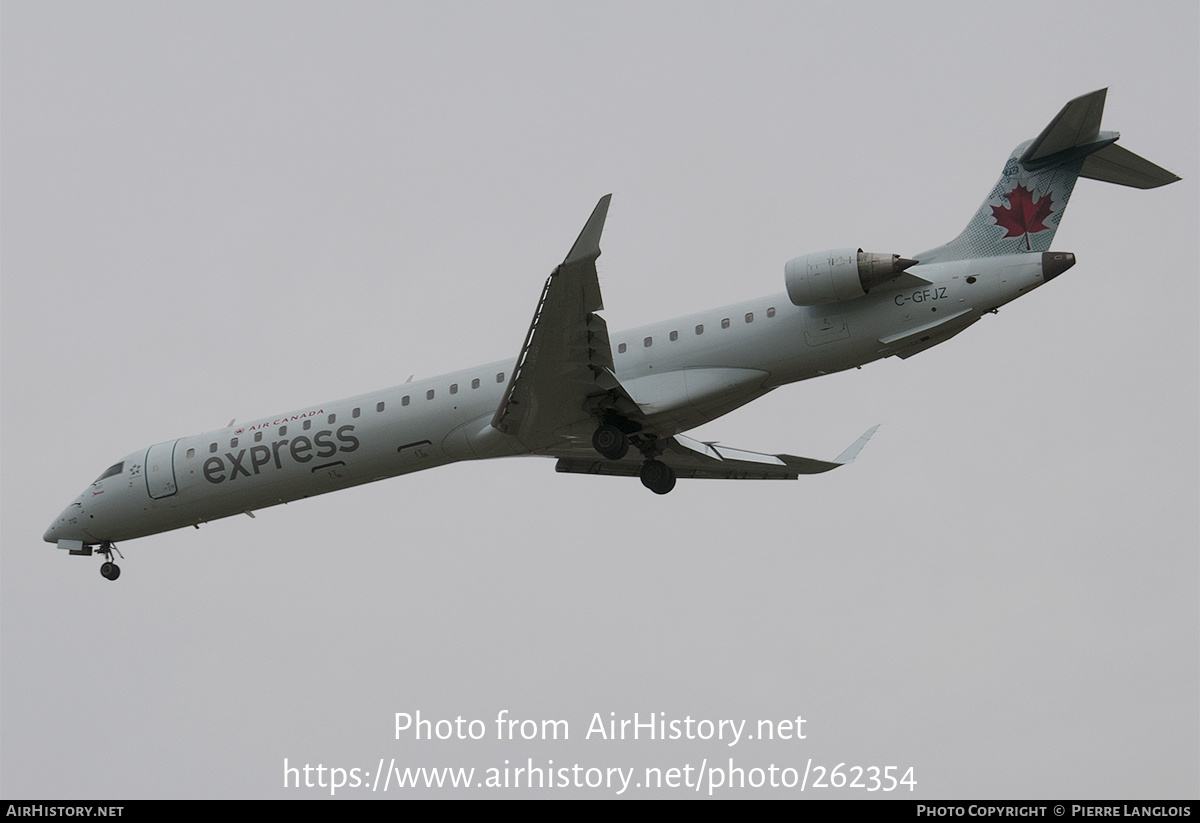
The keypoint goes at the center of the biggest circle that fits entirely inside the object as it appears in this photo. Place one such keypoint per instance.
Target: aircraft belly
(477, 439)
(689, 417)
(688, 392)
(659, 393)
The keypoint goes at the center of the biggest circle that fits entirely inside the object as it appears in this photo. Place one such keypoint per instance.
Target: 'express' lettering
(299, 449)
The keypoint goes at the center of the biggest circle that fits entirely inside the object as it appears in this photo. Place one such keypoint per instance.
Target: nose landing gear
(108, 569)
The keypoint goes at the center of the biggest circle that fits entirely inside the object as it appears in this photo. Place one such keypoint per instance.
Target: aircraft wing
(692, 458)
(566, 366)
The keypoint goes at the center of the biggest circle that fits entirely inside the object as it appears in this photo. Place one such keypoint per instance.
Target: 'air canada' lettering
(299, 449)
(279, 421)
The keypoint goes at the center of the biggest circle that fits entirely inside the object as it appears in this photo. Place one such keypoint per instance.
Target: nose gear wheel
(108, 569)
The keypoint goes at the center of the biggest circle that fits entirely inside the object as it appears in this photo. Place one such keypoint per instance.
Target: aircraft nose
(62, 527)
(52, 533)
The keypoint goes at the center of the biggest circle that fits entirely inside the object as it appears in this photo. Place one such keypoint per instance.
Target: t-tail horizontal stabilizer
(1075, 132)
(1025, 207)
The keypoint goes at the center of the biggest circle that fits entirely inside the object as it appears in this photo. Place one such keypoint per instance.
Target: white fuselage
(682, 373)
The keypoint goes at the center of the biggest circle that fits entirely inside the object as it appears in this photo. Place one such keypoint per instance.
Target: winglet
(587, 245)
(849, 454)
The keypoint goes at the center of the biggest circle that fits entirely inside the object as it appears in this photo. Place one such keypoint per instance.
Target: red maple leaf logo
(1022, 217)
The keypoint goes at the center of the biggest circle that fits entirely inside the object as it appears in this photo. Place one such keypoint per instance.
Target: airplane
(619, 404)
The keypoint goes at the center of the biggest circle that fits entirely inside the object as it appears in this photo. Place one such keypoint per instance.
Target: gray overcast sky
(227, 210)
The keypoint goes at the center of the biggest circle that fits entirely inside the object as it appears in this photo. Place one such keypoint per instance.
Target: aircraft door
(160, 470)
(823, 325)
(416, 453)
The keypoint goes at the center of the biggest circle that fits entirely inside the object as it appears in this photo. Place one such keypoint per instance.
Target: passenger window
(258, 437)
(333, 418)
(283, 430)
(725, 323)
(379, 406)
(700, 329)
(429, 394)
(648, 342)
(500, 377)
(191, 453)
(674, 336)
(356, 412)
(212, 448)
(404, 400)
(620, 348)
(749, 317)
(233, 443)
(306, 426)
(771, 312)
(454, 388)
(475, 383)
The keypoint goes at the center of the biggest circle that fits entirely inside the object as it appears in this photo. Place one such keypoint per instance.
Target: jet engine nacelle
(840, 274)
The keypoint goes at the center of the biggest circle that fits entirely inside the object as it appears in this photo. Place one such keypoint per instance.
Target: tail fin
(1023, 210)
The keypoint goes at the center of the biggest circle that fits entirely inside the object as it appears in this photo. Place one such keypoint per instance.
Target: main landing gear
(610, 442)
(613, 444)
(108, 569)
(657, 476)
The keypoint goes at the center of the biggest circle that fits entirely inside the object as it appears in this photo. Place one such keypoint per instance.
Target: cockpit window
(117, 469)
